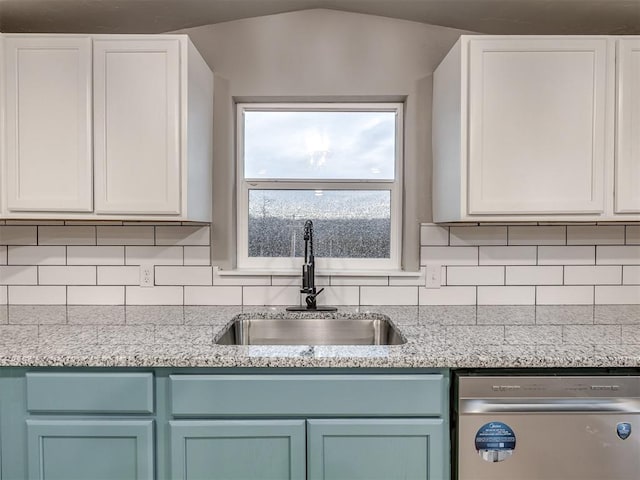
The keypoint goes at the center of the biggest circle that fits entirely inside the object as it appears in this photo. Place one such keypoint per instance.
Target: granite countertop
(437, 337)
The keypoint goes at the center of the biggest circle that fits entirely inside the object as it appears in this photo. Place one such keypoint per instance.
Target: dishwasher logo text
(495, 441)
(624, 430)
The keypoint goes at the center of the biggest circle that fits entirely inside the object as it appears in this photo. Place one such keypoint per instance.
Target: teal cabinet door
(350, 449)
(90, 449)
(238, 450)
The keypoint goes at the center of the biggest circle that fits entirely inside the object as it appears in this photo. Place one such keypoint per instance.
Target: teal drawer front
(90, 392)
(307, 395)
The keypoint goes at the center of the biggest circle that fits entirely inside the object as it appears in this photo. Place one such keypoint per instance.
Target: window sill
(319, 273)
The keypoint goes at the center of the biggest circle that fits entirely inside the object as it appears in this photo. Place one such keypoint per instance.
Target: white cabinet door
(537, 125)
(48, 122)
(137, 126)
(627, 171)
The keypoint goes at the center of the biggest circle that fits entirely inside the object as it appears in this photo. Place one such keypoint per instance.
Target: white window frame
(393, 263)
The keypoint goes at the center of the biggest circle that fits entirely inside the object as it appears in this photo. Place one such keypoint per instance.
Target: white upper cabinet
(523, 129)
(48, 123)
(137, 126)
(107, 127)
(627, 168)
(536, 125)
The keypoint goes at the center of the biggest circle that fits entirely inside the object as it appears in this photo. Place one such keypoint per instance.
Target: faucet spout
(309, 275)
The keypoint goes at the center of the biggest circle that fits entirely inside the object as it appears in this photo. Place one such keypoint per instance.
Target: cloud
(319, 145)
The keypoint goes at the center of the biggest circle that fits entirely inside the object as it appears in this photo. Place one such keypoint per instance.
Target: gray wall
(324, 54)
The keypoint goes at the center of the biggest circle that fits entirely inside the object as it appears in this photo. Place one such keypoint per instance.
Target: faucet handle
(311, 299)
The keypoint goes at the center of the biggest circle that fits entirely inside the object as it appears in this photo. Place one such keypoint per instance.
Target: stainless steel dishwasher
(548, 428)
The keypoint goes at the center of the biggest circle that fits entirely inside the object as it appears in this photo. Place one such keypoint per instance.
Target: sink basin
(367, 329)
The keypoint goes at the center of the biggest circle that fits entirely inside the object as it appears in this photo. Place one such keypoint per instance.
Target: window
(338, 165)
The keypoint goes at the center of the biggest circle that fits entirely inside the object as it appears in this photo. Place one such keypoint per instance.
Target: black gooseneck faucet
(309, 275)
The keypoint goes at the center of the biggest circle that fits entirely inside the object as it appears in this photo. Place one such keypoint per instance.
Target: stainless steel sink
(368, 329)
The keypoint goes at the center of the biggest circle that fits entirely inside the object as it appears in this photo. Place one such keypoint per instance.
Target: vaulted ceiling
(485, 16)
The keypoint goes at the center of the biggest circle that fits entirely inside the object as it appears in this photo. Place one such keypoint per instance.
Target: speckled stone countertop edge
(438, 337)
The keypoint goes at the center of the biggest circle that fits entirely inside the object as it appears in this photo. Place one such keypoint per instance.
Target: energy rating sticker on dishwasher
(495, 441)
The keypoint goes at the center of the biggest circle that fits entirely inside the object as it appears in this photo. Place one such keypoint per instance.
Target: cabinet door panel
(137, 126)
(49, 149)
(627, 176)
(411, 449)
(537, 125)
(90, 449)
(238, 450)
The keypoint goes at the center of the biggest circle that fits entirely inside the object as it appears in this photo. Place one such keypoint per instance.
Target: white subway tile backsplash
(358, 280)
(18, 235)
(388, 295)
(280, 295)
(154, 255)
(37, 295)
(216, 295)
(287, 281)
(511, 295)
(3, 295)
(197, 255)
(447, 296)
(340, 295)
(95, 255)
(465, 236)
(536, 275)
(564, 295)
(595, 235)
(18, 275)
(154, 295)
(37, 255)
(119, 275)
(508, 255)
(165, 275)
(486, 264)
(88, 222)
(630, 274)
(540, 235)
(67, 275)
(475, 275)
(182, 235)
(129, 235)
(566, 255)
(434, 235)
(95, 295)
(240, 280)
(616, 295)
(592, 275)
(623, 255)
(67, 235)
(633, 235)
(449, 255)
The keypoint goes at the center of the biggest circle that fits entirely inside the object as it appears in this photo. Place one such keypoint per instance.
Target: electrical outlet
(146, 275)
(433, 275)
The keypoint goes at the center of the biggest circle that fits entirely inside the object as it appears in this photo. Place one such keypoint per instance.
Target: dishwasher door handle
(549, 405)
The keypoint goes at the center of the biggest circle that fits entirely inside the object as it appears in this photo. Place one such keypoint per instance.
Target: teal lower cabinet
(300, 425)
(90, 449)
(238, 450)
(224, 424)
(376, 449)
